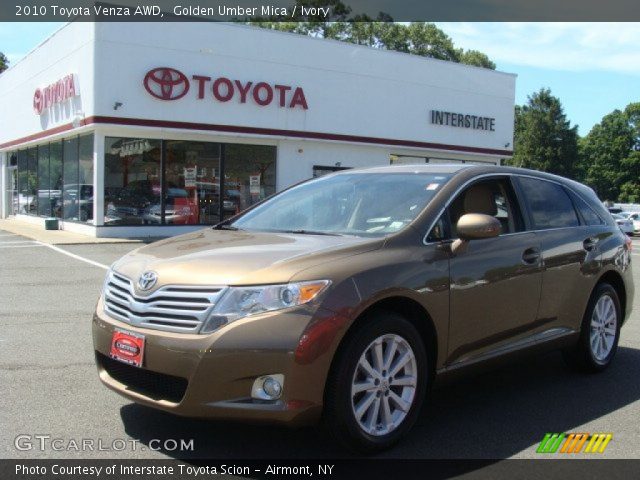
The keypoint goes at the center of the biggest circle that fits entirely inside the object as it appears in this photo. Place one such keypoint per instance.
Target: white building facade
(122, 129)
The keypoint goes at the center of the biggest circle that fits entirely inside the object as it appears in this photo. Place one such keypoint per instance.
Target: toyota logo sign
(54, 94)
(166, 83)
(38, 102)
(147, 280)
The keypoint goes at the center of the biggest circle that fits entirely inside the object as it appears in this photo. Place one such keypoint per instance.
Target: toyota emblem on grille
(147, 280)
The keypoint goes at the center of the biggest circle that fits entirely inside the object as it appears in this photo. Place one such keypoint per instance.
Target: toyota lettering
(165, 83)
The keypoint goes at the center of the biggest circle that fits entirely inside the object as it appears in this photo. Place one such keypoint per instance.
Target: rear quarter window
(588, 214)
(548, 203)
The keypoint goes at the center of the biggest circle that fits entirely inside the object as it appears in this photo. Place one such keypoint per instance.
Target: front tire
(378, 384)
(599, 333)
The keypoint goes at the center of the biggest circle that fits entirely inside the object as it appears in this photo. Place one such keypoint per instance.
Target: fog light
(268, 387)
(272, 387)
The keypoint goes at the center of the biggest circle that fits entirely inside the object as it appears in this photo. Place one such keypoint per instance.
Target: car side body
(523, 291)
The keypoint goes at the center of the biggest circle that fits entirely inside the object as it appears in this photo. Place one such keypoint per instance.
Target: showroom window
(132, 180)
(70, 179)
(44, 182)
(177, 182)
(249, 176)
(192, 183)
(85, 179)
(56, 179)
(26, 184)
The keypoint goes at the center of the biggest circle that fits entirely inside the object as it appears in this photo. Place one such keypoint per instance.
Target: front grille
(172, 308)
(157, 386)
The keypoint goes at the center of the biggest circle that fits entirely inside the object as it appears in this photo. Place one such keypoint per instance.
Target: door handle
(531, 255)
(589, 243)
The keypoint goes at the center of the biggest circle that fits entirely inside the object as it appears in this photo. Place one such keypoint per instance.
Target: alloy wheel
(384, 383)
(604, 324)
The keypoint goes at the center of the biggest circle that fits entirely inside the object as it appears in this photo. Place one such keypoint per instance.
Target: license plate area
(127, 347)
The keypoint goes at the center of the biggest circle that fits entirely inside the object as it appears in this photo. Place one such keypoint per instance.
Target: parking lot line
(21, 246)
(73, 255)
(15, 242)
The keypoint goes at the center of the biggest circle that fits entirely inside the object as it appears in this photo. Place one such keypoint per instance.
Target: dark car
(344, 298)
(129, 204)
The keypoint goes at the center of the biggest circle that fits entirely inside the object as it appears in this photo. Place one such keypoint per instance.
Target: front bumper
(219, 368)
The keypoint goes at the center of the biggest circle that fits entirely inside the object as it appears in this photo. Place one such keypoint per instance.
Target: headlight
(239, 302)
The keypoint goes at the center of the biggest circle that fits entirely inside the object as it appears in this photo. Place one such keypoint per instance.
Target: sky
(593, 68)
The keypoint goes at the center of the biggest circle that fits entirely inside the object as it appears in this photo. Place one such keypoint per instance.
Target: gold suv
(343, 298)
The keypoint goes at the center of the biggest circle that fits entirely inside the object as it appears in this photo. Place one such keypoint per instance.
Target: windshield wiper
(311, 232)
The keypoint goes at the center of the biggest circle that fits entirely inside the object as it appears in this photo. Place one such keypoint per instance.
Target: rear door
(570, 251)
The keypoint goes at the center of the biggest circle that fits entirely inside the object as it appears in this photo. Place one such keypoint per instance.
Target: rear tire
(378, 384)
(599, 332)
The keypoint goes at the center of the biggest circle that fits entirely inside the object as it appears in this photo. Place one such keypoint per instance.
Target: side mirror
(474, 226)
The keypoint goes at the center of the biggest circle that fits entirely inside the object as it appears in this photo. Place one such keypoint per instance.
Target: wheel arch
(410, 309)
(613, 278)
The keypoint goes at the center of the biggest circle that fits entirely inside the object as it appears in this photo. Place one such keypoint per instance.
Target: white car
(625, 224)
(635, 218)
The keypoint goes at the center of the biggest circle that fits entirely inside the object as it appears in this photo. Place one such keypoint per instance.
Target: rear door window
(549, 204)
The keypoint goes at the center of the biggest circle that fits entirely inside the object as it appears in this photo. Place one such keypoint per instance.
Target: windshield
(361, 204)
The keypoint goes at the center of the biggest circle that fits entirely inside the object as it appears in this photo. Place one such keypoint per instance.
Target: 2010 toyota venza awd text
(343, 298)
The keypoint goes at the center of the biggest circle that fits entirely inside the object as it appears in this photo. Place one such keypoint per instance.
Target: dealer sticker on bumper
(127, 347)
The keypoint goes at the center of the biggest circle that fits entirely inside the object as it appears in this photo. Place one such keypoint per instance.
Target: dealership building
(122, 129)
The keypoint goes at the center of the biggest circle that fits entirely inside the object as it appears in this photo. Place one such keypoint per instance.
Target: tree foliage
(417, 38)
(543, 137)
(4, 63)
(610, 155)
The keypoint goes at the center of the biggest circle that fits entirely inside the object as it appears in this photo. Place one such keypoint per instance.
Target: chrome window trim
(498, 175)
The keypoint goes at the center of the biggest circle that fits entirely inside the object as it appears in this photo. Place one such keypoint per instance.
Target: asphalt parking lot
(49, 385)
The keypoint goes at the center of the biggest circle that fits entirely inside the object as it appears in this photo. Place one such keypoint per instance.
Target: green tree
(543, 137)
(4, 63)
(417, 38)
(609, 156)
(476, 58)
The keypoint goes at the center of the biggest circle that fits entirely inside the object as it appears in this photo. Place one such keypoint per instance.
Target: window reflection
(132, 180)
(69, 203)
(137, 192)
(85, 179)
(250, 176)
(192, 184)
(27, 183)
(55, 178)
(44, 183)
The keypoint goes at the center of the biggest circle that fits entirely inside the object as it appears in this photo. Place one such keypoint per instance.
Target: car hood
(222, 257)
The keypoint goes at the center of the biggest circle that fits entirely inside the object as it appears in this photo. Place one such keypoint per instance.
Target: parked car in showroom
(624, 222)
(344, 298)
(180, 209)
